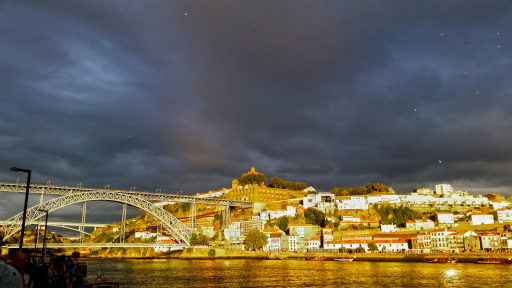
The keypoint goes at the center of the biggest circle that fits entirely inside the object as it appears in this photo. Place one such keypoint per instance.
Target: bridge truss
(179, 231)
(104, 245)
(64, 190)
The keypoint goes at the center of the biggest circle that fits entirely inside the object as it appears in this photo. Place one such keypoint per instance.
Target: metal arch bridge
(103, 245)
(64, 190)
(174, 226)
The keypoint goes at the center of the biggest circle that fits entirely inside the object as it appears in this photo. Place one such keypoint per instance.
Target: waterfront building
(504, 236)
(421, 243)
(444, 189)
(274, 239)
(290, 243)
(490, 241)
(481, 218)
(312, 243)
(327, 235)
(256, 192)
(472, 243)
(420, 224)
(438, 239)
(304, 230)
(455, 241)
(392, 245)
(444, 218)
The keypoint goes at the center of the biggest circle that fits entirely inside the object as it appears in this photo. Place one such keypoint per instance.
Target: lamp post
(26, 200)
(45, 228)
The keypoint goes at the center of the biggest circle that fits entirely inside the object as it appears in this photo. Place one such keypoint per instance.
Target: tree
(277, 182)
(283, 223)
(360, 250)
(255, 239)
(372, 246)
(314, 216)
(203, 239)
(252, 179)
(193, 239)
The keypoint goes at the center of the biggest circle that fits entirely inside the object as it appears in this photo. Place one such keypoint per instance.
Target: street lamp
(26, 200)
(45, 229)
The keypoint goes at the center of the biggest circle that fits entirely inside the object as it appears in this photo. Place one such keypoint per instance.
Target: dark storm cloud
(185, 96)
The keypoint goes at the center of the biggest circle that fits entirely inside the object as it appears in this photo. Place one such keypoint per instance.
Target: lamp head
(16, 169)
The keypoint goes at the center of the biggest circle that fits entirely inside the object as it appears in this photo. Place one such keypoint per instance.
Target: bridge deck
(65, 190)
(56, 223)
(98, 245)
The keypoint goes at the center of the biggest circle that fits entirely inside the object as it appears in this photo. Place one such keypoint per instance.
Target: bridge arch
(179, 231)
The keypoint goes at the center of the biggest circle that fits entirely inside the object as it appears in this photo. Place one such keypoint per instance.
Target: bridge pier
(82, 228)
(192, 217)
(123, 224)
(226, 217)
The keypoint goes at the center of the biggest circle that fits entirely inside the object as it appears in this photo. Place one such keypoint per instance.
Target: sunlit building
(256, 192)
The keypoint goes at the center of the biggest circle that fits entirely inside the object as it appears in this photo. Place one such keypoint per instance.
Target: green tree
(372, 246)
(315, 217)
(193, 239)
(283, 223)
(255, 239)
(252, 179)
(360, 250)
(277, 182)
(203, 239)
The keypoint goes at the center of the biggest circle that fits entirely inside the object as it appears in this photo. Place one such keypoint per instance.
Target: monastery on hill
(256, 192)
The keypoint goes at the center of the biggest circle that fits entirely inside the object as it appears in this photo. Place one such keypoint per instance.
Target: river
(296, 273)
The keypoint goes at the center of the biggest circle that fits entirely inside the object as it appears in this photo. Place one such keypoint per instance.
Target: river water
(297, 273)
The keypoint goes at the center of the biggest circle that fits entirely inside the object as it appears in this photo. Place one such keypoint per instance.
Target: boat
(344, 259)
(317, 259)
(491, 261)
(442, 261)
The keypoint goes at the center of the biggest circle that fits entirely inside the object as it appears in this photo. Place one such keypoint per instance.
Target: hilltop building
(256, 192)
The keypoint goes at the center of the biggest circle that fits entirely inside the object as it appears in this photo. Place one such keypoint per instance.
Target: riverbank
(219, 253)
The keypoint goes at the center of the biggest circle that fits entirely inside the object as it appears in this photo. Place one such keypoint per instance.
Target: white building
(274, 239)
(350, 219)
(504, 215)
(309, 189)
(481, 218)
(145, 234)
(425, 191)
(392, 245)
(420, 224)
(444, 189)
(354, 202)
(499, 204)
(322, 206)
(233, 231)
(388, 228)
(312, 199)
(216, 193)
(312, 243)
(444, 218)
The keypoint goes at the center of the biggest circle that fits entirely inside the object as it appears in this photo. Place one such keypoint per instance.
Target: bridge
(100, 245)
(137, 199)
(60, 225)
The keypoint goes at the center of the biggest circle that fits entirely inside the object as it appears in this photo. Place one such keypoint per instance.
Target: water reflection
(295, 273)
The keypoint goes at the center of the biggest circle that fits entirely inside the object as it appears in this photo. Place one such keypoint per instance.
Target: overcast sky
(188, 95)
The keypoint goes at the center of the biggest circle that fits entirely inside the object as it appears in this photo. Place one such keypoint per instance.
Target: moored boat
(491, 261)
(317, 259)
